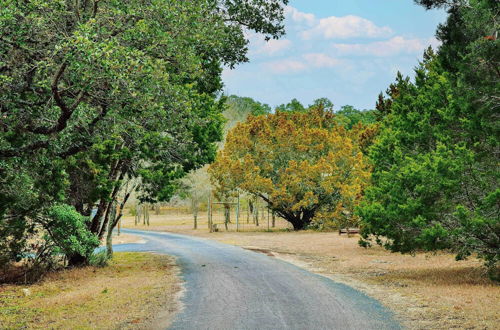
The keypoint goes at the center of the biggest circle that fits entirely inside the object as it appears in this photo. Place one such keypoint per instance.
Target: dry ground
(137, 290)
(426, 291)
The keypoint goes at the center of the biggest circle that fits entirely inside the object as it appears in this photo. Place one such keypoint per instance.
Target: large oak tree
(305, 165)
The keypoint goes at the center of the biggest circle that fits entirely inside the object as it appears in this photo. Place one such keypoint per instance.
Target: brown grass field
(136, 291)
(426, 291)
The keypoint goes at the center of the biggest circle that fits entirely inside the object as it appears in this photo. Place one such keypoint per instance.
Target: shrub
(68, 232)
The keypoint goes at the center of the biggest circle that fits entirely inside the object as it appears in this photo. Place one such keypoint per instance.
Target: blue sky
(348, 51)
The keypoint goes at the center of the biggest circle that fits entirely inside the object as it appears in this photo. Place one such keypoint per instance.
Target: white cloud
(345, 27)
(286, 66)
(273, 46)
(259, 45)
(299, 17)
(319, 60)
(307, 61)
(394, 46)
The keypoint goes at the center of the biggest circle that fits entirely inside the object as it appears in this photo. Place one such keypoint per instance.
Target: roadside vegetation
(422, 177)
(136, 290)
(109, 105)
(305, 166)
(100, 100)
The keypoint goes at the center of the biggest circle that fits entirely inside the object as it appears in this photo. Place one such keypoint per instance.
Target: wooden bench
(348, 231)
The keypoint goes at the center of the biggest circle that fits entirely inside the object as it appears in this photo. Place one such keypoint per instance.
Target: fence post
(268, 219)
(210, 211)
(238, 213)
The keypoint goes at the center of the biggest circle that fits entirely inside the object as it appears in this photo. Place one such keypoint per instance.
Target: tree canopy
(435, 181)
(304, 165)
(94, 94)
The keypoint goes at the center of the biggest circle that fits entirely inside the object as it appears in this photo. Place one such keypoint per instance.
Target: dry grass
(426, 291)
(131, 293)
(180, 219)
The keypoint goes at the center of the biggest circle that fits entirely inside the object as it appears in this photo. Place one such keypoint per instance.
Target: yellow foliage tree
(304, 165)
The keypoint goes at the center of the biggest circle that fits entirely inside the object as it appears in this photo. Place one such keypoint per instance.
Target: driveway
(228, 287)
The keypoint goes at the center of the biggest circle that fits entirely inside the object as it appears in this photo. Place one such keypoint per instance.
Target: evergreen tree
(435, 180)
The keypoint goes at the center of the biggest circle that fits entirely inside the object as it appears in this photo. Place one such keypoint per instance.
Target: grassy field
(426, 291)
(136, 291)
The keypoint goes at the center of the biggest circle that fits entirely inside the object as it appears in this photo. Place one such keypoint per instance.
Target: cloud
(286, 66)
(345, 27)
(307, 61)
(394, 46)
(273, 46)
(319, 60)
(299, 17)
(259, 45)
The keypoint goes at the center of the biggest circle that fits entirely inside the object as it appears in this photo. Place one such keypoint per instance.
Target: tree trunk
(227, 215)
(250, 210)
(299, 225)
(111, 225)
(274, 219)
(109, 243)
(108, 218)
(299, 220)
(256, 215)
(137, 214)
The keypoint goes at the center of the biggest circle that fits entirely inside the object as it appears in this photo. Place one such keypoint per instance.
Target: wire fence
(181, 217)
(260, 218)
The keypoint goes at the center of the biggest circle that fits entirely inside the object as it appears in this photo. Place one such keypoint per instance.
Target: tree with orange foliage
(306, 166)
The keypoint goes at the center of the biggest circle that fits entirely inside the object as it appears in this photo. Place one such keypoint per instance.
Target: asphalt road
(228, 287)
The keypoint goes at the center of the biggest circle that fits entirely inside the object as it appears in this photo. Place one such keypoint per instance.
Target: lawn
(137, 290)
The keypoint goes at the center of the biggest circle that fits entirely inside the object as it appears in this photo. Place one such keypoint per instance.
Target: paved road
(228, 287)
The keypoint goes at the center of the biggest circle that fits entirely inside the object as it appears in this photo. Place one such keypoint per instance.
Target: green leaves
(435, 160)
(67, 231)
(95, 94)
(303, 164)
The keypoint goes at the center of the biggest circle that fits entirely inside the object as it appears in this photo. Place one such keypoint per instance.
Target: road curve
(228, 287)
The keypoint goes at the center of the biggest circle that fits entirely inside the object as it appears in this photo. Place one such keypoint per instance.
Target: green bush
(68, 232)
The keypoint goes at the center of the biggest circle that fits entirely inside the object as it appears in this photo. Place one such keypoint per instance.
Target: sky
(347, 51)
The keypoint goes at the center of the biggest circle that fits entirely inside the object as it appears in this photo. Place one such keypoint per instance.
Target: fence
(181, 218)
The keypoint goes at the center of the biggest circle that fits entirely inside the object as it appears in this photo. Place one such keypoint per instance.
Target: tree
(433, 188)
(96, 93)
(246, 106)
(324, 102)
(304, 165)
(239, 108)
(436, 159)
(293, 106)
(196, 188)
(349, 116)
